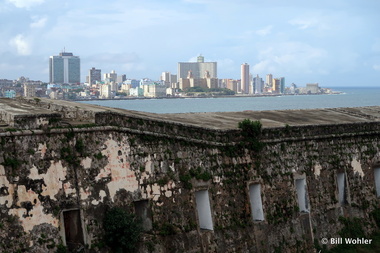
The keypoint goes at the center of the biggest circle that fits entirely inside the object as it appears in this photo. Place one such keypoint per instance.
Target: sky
(330, 42)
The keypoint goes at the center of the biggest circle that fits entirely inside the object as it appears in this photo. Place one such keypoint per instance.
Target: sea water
(349, 97)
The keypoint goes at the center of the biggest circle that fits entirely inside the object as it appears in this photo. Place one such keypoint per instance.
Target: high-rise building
(269, 80)
(105, 91)
(245, 78)
(110, 77)
(197, 68)
(121, 78)
(64, 68)
(95, 75)
(166, 78)
(258, 84)
(276, 85)
(282, 85)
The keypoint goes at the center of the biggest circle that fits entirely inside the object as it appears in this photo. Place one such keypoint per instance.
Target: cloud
(290, 58)
(25, 3)
(38, 22)
(376, 67)
(265, 31)
(302, 23)
(314, 21)
(21, 45)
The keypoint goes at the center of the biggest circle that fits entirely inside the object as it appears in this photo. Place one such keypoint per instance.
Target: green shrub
(251, 132)
(61, 249)
(122, 230)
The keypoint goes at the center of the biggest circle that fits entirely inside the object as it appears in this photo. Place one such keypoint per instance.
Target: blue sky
(332, 42)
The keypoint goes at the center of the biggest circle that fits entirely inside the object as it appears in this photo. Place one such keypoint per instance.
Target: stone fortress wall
(197, 188)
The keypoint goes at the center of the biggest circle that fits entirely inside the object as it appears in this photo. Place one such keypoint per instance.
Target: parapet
(34, 113)
(17, 114)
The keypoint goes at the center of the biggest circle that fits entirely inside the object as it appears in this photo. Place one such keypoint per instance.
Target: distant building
(29, 90)
(209, 81)
(245, 78)
(293, 88)
(133, 82)
(6, 82)
(230, 84)
(64, 68)
(10, 93)
(312, 88)
(156, 89)
(282, 85)
(94, 75)
(169, 79)
(276, 85)
(114, 86)
(258, 84)
(165, 76)
(110, 77)
(269, 80)
(121, 78)
(197, 68)
(173, 81)
(205, 82)
(136, 92)
(105, 91)
(125, 87)
(146, 81)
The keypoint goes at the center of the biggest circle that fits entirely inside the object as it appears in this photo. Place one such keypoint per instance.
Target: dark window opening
(143, 213)
(73, 230)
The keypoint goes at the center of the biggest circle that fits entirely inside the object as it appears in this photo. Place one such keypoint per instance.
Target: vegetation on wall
(122, 230)
(251, 132)
(353, 229)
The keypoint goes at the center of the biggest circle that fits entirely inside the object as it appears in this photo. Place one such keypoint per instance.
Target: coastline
(213, 96)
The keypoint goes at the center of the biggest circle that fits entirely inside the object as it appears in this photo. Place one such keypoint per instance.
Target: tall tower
(245, 78)
(282, 85)
(276, 85)
(258, 84)
(269, 80)
(94, 75)
(64, 68)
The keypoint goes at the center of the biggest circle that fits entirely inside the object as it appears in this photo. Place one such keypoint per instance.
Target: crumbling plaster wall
(46, 172)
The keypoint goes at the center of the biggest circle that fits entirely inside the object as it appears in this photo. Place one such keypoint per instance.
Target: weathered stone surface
(111, 157)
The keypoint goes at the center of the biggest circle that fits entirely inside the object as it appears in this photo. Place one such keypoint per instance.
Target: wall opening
(342, 188)
(302, 195)
(73, 230)
(143, 213)
(204, 210)
(256, 203)
(377, 180)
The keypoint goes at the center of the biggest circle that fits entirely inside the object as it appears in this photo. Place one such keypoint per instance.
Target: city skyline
(334, 43)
